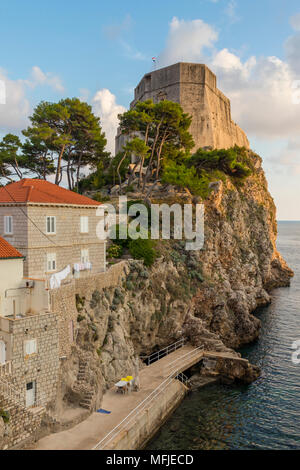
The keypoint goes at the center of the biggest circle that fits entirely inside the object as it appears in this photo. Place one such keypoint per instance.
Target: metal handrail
(183, 378)
(133, 414)
(181, 359)
(164, 352)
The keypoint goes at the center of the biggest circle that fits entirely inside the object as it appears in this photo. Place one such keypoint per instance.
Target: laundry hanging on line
(57, 278)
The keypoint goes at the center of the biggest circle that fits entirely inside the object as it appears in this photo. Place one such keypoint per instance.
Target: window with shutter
(84, 224)
(51, 262)
(30, 347)
(85, 258)
(8, 225)
(51, 224)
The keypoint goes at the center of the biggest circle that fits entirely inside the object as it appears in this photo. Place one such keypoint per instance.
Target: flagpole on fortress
(154, 60)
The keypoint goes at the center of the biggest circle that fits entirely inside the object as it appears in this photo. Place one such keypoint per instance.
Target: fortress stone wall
(194, 87)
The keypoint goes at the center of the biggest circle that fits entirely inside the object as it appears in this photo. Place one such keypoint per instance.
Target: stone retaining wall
(22, 424)
(63, 300)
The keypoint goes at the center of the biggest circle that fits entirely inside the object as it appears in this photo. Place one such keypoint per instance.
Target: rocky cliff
(209, 296)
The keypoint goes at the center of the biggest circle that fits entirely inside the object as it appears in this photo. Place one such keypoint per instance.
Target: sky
(99, 51)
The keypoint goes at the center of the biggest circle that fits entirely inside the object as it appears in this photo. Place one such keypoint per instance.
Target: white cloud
(260, 89)
(187, 41)
(105, 106)
(16, 110)
(261, 94)
(41, 78)
(14, 113)
(227, 61)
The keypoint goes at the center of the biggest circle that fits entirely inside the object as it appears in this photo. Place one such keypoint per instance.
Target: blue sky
(99, 51)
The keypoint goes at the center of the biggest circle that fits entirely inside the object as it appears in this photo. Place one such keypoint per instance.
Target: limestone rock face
(240, 258)
(208, 296)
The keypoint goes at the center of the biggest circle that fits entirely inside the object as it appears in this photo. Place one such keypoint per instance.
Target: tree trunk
(78, 172)
(58, 169)
(6, 176)
(148, 195)
(143, 157)
(118, 171)
(44, 158)
(132, 173)
(68, 171)
(159, 154)
(19, 173)
(152, 155)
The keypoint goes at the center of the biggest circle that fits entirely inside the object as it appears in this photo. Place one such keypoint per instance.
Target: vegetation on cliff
(160, 143)
(197, 171)
(63, 138)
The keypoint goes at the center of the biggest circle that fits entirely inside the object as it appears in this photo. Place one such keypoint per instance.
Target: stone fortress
(194, 87)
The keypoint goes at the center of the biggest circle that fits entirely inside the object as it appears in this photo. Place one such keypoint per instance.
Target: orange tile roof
(7, 251)
(35, 190)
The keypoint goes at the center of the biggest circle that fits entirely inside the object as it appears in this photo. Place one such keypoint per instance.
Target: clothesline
(82, 266)
(57, 278)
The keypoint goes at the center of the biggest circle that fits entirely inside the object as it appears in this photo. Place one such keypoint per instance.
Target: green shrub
(115, 251)
(232, 162)
(145, 274)
(195, 173)
(143, 249)
(129, 285)
(80, 318)
(180, 175)
(197, 275)
(95, 300)
(5, 416)
(129, 189)
(124, 243)
(101, 198)
(80, 301)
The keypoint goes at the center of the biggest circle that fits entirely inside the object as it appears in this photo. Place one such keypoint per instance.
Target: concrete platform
(87, 434)
(90, 432)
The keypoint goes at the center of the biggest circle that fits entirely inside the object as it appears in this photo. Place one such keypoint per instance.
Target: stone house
(29, 349)
(49, 233)
(11, 277)
(54, 228)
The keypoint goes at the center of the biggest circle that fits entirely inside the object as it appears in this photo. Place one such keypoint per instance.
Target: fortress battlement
(194, 87)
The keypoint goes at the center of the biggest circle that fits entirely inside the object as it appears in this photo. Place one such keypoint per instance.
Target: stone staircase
(81, 386)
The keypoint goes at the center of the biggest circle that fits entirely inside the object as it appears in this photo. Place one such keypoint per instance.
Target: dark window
(29, 386)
